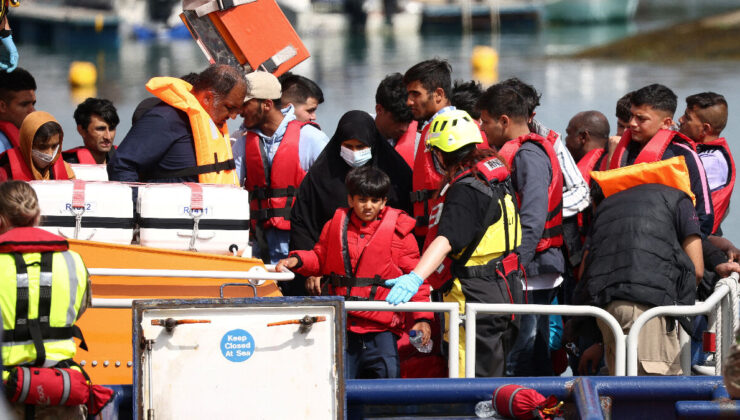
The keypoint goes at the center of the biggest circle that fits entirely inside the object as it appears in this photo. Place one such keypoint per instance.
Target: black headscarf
(323, 190)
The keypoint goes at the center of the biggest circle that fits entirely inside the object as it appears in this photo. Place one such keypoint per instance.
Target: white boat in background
(589, 11)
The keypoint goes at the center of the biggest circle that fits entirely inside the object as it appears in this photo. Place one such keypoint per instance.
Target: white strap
(216, 5)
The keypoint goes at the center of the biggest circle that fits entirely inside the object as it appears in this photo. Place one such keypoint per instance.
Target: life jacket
(589, 161)
(721, 196)
(42, 286)
(490, 247)
(671, 172)
(405, 145)
(552, 235)
(212, 146)
(364, 281)
(652, 151)
(272, 189)
(83, 155)
(11, 132)
(20, 171)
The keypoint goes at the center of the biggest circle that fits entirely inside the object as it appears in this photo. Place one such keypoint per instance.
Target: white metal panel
(288, 374)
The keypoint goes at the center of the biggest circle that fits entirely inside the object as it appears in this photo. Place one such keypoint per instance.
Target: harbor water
(348, 68)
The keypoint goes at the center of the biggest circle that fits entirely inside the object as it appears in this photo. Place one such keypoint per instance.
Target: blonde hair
(19, 206)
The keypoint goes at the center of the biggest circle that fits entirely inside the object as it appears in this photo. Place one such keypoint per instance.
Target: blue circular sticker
(237, 345)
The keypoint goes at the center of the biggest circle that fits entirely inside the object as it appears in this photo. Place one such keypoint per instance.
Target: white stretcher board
(270, 373)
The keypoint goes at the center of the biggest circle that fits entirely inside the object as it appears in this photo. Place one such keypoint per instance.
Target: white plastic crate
(170, 218)
(95, 211)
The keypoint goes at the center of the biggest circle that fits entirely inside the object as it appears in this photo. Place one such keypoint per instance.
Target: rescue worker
(538, 182)
(650, 138)
(303, 93)
(9, 57)
(361, 247)
(96, 123)
(476, 225)
(703, 121)
(17, 99)
(393, 117)
(38, 157)
(184, 138)
(356, 142)
(38, 316)
(273, 152)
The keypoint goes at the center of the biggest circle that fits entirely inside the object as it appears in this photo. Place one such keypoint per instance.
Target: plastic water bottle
(484, 409)
(416, 337)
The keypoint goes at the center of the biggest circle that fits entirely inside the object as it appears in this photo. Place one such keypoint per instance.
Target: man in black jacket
(644, 250)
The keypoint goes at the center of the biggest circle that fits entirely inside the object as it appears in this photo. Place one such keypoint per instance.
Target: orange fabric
(671, 172)
(30, 126)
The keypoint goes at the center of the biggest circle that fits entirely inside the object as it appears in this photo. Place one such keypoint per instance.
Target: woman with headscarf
(38, 157)
(355, 143)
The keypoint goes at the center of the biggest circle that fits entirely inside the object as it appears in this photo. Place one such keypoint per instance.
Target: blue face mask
(356, 158)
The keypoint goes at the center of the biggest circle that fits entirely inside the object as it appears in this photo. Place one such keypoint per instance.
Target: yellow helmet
(452, 130)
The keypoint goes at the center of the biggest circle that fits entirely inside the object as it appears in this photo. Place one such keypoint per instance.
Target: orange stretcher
(253, 34)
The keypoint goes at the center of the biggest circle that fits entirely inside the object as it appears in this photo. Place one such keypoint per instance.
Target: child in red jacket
(360, 248)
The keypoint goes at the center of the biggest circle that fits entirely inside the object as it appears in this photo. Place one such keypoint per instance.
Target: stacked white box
(170, 218)
(87, 172)
(95, 211)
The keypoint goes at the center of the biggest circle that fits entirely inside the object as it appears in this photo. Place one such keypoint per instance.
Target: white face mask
(42, 159)
(356, 158)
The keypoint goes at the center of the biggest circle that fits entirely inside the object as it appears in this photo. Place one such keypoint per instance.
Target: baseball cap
(262, 85)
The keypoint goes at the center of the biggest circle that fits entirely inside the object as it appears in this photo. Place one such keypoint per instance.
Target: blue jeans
(530, 355)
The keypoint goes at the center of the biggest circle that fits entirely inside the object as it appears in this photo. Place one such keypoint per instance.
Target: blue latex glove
(9, 57)
(404, 288)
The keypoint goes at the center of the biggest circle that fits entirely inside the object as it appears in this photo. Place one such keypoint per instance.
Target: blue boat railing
(626, 346)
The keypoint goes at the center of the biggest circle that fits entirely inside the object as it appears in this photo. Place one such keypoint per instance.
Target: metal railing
(719, 297)
(473, 309)
(453, 362)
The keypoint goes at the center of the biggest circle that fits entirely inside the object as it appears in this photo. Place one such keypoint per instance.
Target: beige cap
(262, 85)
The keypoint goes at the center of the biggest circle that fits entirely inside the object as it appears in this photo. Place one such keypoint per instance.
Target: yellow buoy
(485, 64)
(82, 73)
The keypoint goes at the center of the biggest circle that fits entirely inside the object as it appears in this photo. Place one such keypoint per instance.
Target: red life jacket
(30, 239)
(721, 196)
(270, 204)
(83, 155)
(589, 161)
(11, 132)
(405, 145)
(494, 172)
(652, 152)
(20, 171)
(374, 265)
(552, 235)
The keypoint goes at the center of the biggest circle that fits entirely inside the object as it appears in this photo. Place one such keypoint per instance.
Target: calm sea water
(349, 68)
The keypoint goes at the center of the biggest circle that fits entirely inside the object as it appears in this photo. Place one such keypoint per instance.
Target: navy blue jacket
(161, 140)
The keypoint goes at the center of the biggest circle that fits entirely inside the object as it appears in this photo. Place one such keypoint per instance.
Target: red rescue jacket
(11, 132)
(405, 145)
(336, 252)
(721, 196)
(589, 161)
(83, 155)
(18, 170)
(270, 204)
(653, 150)
(552, 235)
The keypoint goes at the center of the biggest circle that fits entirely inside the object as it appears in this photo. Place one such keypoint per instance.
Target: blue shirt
(4, 142)
(311, 143)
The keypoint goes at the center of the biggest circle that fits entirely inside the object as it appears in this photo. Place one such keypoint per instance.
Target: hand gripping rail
(719, 297)
(453, 363)
(473, 309)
